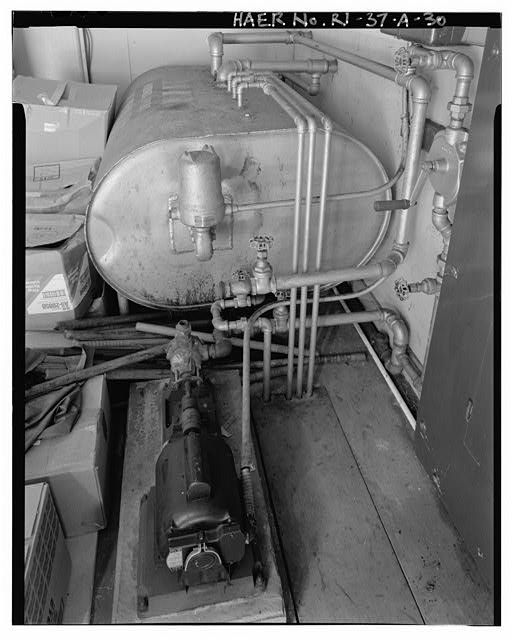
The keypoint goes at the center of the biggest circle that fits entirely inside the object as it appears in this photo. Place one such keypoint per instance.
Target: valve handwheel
(261, 243)
(402, 61)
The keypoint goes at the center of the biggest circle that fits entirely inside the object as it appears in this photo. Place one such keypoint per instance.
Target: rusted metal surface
(173, 109)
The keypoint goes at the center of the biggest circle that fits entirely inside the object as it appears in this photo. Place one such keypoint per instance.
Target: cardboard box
(59, 278)
(64, 120)
(75, 465)
(47, 561)
(60, 187)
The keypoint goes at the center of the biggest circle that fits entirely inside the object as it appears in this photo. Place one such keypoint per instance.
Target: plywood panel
(342, 566)
(443, 577)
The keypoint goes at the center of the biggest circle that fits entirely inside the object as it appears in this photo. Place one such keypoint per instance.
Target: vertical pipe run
(296, 235)
(305, 257)
(267, 333)
(319, 257)
(327, 124)
(420, 97)
(123, 305)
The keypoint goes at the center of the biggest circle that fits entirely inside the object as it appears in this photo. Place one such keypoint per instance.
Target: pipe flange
(448, 156)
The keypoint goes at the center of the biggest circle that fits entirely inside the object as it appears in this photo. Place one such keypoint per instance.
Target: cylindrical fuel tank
(134, 235)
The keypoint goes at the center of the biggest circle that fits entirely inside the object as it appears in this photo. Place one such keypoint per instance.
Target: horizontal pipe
(398, 396)
(279, 371)
(351, 58)
(218, 39)
(325, 358)
(309, 65)
(275, 37)
(371, 271)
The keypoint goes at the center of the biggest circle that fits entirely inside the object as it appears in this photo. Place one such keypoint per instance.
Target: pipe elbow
(441, 222)
(229, 66)
(391, 263)
(398, 337)
(311, 124)
(463, 66)
(419, 88)
(215, 42)
(222, 346)
(327, 123)
(217, 321)
(301, 124)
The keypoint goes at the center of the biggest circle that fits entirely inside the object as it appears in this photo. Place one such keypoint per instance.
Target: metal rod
(90, 323)
(207, 337)
(96, 370)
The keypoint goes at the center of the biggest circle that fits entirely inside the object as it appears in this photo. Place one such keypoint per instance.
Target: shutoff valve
(262, 269)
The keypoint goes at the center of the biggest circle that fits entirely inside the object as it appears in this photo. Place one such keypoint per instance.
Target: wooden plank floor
(365, 536)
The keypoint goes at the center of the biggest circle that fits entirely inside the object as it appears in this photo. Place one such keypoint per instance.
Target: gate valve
(262, 269)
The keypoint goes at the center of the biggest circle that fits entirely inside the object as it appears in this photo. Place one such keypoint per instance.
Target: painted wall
(118, 56)
(369, 107)
(48, 52)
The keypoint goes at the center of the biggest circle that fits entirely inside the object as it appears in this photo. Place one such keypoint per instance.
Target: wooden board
(341, 563)
(82, 550)
(441, 574)
(142, 447)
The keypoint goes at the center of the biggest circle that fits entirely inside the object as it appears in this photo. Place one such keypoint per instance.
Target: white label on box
(51, 127)
(55, 297)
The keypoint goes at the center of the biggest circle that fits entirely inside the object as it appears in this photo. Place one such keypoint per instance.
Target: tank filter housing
(201, 205)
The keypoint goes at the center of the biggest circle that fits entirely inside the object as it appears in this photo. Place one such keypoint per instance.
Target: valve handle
(402, 60)
(240, 275)
(261, 243)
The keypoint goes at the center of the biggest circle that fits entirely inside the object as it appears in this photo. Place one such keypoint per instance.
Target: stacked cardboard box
(75, 465)
(67, 125)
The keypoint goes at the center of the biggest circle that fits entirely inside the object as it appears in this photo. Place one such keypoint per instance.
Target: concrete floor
(361, 532)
